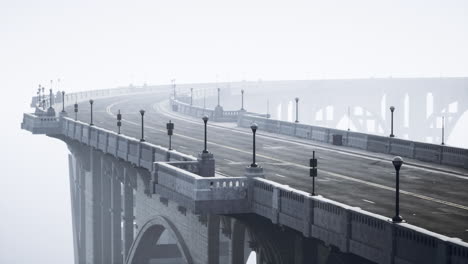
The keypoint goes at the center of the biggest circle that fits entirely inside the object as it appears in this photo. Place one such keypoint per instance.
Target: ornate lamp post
(397, 163)
(443, 130)
(191, 96)
(63, 101)
(392, 109)
(205, 120)
(142, 139)
(297, 109)
(254, 130)
(242, 102)
(91, 102)
(51, 98)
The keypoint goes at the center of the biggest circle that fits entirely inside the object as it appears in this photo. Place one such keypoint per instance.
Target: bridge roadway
(434, 198)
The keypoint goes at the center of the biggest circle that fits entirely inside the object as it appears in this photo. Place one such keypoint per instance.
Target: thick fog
(90, 45)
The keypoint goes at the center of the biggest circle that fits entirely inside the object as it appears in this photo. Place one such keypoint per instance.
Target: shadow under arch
(149, 233)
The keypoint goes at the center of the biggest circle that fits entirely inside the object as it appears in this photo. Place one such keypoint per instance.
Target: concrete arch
(151, 231)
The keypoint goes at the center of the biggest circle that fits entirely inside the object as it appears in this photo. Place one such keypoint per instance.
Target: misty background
(104, 44)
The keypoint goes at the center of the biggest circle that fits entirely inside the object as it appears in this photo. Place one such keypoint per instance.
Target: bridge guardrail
(428, 152)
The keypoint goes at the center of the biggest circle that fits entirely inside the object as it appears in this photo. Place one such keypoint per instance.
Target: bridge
(140, 162)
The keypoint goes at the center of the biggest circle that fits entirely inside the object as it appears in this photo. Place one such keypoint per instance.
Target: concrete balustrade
(428, 152)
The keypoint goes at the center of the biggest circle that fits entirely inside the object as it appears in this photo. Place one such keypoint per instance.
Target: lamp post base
(397, 219)
(391, 135)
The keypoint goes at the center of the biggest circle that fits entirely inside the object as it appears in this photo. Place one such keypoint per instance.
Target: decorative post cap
(297, 99)
(254, 127)
(142, 112)
(205, 119)
(397, 162)
(392, 108)
(91, 101)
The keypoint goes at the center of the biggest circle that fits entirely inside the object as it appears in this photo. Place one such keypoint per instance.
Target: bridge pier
(116, 214)
(237, 243)
(95, 218)
(106, 226)
(128, 215)
(213, 239)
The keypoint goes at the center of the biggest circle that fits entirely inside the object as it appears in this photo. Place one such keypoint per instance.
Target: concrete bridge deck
(431, 198)
(350, 229)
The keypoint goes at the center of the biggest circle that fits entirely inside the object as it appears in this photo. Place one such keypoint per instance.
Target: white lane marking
(279, 175)
(367, 201)
(157, 107)
(232, 162)
(337, 175)
(183, 147)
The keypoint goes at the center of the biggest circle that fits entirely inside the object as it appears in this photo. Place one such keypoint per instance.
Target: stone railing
(353, 230)
(439, 154)
(217, 114)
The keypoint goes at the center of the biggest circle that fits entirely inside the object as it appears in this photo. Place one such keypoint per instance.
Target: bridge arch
(149, 234)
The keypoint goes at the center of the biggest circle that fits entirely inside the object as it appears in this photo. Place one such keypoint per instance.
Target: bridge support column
(106, 167)
(128, 215)
(116, 214)
(82, 163)
(75, 206)
(95, 219)
(237, 243)
(213, 239)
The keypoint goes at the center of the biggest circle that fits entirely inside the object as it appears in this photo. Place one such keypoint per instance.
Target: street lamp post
(142, 139)
(170, 129)
(91, 103)
(397, 163)
(349, 117)
(204, 98)
(174, 87)
(63, 101)
(205, 120)
(443, 130)
(39, 95)
(254, 130)
(242, 101)
(51, 97)
(43, 99)
(219, 90)
(297, 109)
(268, 108)
(191, 96)
(119, 122)
(392, 109)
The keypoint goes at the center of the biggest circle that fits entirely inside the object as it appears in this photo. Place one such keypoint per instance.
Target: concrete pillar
(116, 215)
(128, 214)
(106, 168)
(81, 173)
(213, 239)
(237, 243)
(206, 164)
(96, 175)
(74, 207)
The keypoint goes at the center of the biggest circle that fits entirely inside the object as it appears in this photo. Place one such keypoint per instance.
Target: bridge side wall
(439, 154)
(353, 230)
